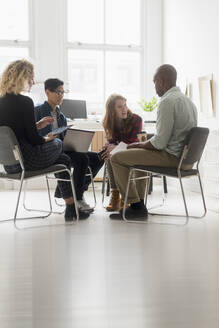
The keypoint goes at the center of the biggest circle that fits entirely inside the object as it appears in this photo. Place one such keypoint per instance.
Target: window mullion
(14, 43)
(79, 45)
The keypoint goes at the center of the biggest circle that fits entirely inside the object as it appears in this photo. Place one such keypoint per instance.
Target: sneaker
(70, 213)
(83, 206)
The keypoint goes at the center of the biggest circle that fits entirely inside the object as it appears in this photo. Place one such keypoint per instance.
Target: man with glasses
(54, 89)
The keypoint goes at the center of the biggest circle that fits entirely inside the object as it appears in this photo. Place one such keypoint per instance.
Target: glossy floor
(102, 273)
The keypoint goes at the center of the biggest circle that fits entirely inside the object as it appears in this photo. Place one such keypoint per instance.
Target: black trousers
(80, 163)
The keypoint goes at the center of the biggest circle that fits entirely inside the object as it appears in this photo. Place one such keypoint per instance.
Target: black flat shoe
(131, 214)
(115, 216)
(136, 214)
(70, 213)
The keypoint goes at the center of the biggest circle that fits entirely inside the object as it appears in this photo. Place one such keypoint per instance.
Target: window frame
(109, 47)
(23, 44)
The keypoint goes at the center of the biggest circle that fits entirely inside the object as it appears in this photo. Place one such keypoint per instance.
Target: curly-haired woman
(17, 112)
(120, 124)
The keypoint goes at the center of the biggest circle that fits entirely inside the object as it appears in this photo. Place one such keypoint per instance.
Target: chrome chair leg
(202, 194)
(17, 205)
(104, 184)
(163, 198)
(39, 210)
(93, 188)
(187, 216)
(18, 200)
(73, 190)
(59, 204)
(130, 178)
(50, 203)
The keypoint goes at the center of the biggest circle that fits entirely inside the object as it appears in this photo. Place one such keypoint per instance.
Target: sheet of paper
(120, 146)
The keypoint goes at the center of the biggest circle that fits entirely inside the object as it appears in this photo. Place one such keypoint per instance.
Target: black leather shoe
(136, 214)
(115, 216)
(131, 214)
(70, 213)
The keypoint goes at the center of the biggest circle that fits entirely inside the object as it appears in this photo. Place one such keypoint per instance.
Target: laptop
(77, 140)
(72, 108)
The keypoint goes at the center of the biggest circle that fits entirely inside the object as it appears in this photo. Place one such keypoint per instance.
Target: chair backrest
(9, 147)
(195, 143)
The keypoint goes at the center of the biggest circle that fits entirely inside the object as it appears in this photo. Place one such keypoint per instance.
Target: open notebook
(78, 140)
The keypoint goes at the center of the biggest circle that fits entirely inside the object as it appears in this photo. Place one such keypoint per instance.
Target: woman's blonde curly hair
(15, 77)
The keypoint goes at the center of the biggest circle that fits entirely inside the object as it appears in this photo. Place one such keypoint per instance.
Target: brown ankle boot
(114, 201)
(121, 205)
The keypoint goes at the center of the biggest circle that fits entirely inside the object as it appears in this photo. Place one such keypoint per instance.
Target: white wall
(190, 43)
(190, 40)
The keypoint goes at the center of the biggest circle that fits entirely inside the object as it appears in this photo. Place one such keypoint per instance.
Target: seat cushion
(32, 174)
(168, 171)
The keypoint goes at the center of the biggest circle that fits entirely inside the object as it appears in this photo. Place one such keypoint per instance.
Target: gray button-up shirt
(176, 115)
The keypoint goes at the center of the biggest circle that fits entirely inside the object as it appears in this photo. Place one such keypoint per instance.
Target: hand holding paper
(121, 146)
(111, 149)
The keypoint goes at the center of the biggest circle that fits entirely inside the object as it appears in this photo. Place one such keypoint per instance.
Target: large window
(104, 50)
(14, 31)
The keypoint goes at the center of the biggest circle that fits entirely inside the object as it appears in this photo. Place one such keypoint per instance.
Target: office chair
(10, 154)
(191, 155)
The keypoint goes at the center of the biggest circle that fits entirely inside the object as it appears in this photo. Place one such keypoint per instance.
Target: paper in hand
(121, 146)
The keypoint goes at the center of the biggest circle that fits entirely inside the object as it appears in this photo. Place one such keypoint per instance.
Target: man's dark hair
(52, 84)
(167, 72)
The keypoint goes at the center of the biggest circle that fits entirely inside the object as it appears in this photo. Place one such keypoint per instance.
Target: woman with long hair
(120, 124)
(17, 112)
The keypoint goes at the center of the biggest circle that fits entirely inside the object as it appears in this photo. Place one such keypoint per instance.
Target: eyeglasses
(60, 92)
